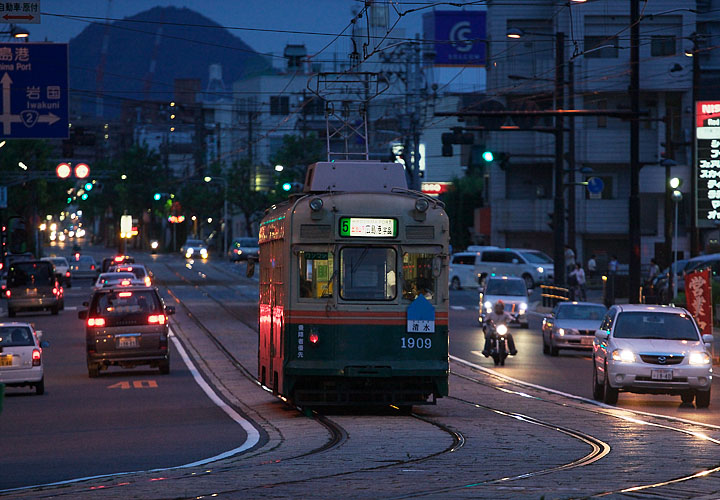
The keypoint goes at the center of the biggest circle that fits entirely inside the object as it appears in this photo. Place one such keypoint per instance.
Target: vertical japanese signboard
(34, 80)
(698, 296)
(707, 148)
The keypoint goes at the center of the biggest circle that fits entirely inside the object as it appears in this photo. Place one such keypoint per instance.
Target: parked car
(651, 350)
(511, 290)
(126, 326)
(83, 266)
(62, 270)
(32, 285)
(243, 248)
(571, 325)
(21, 350)
(194, 249)
(472, 267)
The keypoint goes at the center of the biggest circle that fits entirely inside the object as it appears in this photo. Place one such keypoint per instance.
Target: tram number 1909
(416, 343)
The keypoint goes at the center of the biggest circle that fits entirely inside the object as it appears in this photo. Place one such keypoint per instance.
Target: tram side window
(316, 274)
(368, 273)
(418, 275)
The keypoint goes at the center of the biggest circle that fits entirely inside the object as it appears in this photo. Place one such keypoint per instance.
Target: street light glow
(207, 178)
(675, 182)
(279, 168)
(22, 165)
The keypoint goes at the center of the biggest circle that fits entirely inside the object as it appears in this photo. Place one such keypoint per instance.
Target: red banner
(698, 296)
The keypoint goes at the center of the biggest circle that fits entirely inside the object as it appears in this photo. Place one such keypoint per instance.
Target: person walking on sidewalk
(610, 287)
(592, 267)
(569, 259)
(578, 290)
(653, 271)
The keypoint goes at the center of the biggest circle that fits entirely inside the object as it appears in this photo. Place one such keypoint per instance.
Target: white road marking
(253, 436)
(578, 398)
(458, 308)
(71, 308)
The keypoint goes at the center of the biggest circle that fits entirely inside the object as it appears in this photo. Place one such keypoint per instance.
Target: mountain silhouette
(186, 46)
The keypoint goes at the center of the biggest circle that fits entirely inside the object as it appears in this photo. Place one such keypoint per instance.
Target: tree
(242, 193)
(295, 154)
(460, 204)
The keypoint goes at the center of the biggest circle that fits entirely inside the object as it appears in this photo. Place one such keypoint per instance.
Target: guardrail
(551, 295)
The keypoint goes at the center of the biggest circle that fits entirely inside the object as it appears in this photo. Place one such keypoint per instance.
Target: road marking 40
(136, 384)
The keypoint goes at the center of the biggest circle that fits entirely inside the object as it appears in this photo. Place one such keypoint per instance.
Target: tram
(353, 290)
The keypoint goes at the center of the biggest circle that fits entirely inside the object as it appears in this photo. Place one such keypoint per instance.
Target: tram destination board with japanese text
(707, 148)
(34, 79)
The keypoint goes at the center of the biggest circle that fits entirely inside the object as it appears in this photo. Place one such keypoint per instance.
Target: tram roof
(357, 176)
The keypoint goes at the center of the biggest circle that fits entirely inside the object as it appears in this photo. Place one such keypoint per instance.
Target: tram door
(275, 312)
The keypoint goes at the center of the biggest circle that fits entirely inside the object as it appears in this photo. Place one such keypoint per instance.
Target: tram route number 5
(415, 343)
(136, 384)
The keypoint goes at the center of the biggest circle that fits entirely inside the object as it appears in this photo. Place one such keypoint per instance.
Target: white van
(469, 269)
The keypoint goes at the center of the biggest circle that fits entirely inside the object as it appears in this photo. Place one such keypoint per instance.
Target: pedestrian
(569, 259)
(578, 275)
(613, 265)
(610, 286)
(592, 266)
(653, 271)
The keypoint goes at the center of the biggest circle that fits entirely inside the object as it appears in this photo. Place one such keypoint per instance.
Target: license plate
(661, 374)
(31, 292)
(586, 341)
(127, 342)
(6, 360)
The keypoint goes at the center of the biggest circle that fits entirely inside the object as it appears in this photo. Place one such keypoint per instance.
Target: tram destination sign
(363, 227)
(707, 144)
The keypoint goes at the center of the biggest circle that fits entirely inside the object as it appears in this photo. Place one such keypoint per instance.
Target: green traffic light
(69, 200)
(488, 156)
(84, 196)
(157, 196)
(287, 186)
(88, 186)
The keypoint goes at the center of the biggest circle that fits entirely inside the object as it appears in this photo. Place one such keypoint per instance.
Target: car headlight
(540, 270)
(623, 356)
(561, 331)
(523, 307)
(203, 252)
(699, 358)
(488, 306)
(190, 251)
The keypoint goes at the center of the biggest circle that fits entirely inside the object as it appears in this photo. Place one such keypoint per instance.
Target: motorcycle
(498, 342)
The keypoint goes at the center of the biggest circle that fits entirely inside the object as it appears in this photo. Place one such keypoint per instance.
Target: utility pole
(559, 200)
(694, 233)
(572, 236)
(634, 202)
(250, 135)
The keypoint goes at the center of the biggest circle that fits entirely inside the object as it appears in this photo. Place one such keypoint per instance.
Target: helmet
(500, 303)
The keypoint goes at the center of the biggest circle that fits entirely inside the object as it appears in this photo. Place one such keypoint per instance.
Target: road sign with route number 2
(34, 80)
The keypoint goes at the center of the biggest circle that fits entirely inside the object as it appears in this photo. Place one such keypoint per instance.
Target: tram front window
(368, 273)
(418, 275)
(315, 274)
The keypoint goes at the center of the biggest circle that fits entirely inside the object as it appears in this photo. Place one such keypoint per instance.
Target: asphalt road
(126, 420)
(570, 372)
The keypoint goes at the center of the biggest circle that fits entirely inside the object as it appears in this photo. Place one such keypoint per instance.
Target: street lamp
(677, 197)
(558, 180)
(16, 32)
(225, 208)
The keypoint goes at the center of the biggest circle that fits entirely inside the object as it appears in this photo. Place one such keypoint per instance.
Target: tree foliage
(460, 204)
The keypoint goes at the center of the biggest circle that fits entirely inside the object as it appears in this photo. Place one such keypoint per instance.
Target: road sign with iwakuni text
(34, 81)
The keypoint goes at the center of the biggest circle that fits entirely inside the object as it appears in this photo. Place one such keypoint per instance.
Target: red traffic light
(63, 170)
(81, 170)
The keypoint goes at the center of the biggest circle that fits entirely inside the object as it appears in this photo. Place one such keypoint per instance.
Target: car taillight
(36, 357)
(96, 322)
(147, 281)
(67, 274)
(156, 319)
(55, 291)
(92, 267)
(7, 293)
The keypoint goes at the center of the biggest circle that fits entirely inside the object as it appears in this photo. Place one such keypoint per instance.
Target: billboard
(459, 36)
(707, 157)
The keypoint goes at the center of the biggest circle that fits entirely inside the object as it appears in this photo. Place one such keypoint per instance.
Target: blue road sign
(34, 80)
(595, 185)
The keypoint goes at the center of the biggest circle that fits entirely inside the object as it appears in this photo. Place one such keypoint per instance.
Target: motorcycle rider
(499, 317)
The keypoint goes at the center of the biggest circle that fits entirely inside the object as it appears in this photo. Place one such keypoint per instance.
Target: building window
(279, 105)
(609, 46)
(662, 45)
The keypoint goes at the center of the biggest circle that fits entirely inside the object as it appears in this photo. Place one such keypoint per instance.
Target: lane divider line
(494, 373)
(253, 436)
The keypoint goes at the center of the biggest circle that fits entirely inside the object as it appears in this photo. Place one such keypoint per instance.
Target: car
(243, 248)
(62, 269)
(126, 326)
(571, 325)
(83, 266)
(650, 349)
(193, 249)
(138, 270)
(32, 285)
(21, 356)
(117, 260)
(511, 290)
(124, 278)
(468, 269)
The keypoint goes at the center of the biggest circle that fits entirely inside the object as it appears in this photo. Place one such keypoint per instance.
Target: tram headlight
(421, 205)
(316, 204)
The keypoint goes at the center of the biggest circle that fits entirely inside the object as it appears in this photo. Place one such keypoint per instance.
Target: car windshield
(506, 287)
(248, 242)
(15, 336)
(122, 302)
(139, 272)
(30, 273)
(537, 257)
(193, 243)
(655, 325)
(59, 261)
(579, 311)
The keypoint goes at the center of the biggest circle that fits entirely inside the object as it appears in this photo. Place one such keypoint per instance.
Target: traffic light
(488, 156)
(447, 142)
(84, 196)
(286, 186)
(88, 186)
(157, 196)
